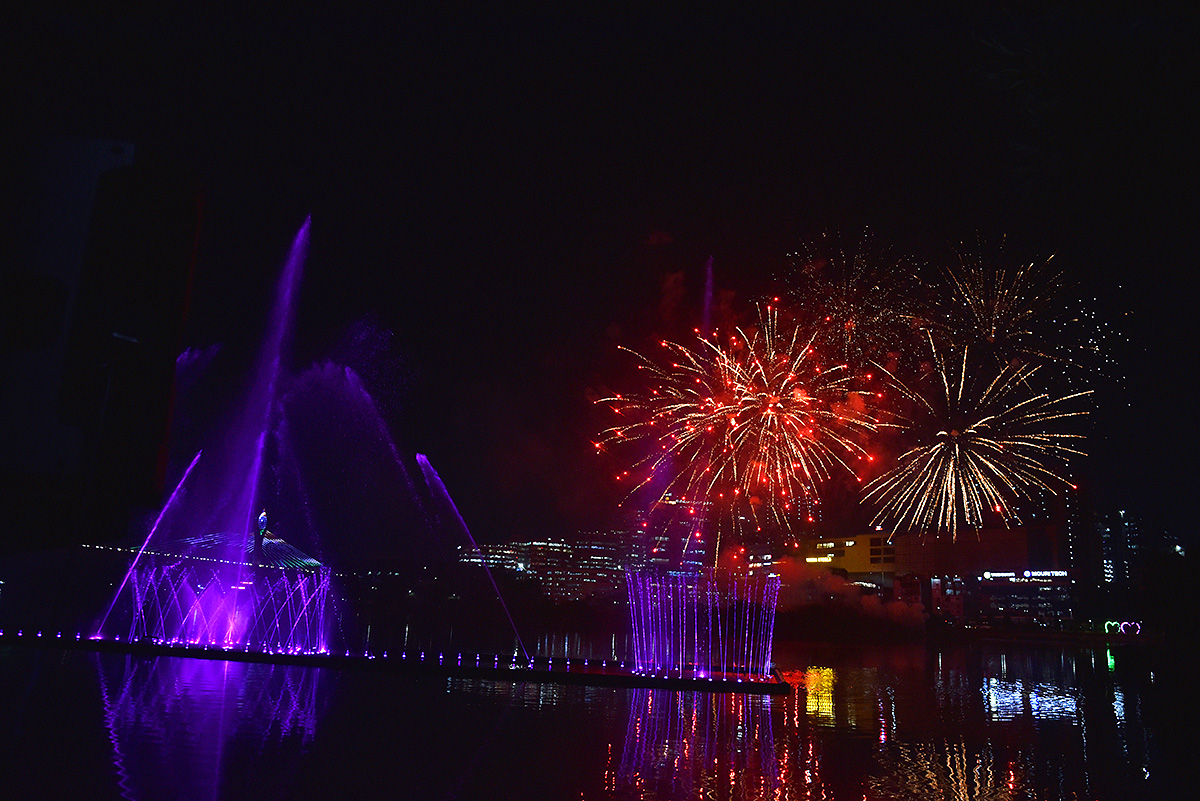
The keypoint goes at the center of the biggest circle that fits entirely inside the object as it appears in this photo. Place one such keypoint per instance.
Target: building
(1017, 573)
(592, 563)
(947, 597)
(762, 559)
(677, 534)
(1119, 535)
(1029, 595)
(869, 558)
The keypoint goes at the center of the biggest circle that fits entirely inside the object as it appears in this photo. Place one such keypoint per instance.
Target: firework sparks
(1026, 312)
(980, 446)
(752, 421)
(862, 297)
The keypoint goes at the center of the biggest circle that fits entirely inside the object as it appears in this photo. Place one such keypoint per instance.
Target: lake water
(914, 722)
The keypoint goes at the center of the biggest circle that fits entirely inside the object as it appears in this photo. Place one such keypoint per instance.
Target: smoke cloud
(806, 587)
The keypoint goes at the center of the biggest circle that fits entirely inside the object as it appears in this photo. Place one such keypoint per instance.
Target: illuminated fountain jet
(709, 624)
(193, 594)
(238, 586)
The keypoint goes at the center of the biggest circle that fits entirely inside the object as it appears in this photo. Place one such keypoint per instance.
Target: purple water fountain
(302, 472)
(210, 573)
(189, 602)
(708, 624)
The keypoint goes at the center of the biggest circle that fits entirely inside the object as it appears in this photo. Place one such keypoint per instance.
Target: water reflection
(1010, 700)
(1037, 725)
(949, 770)
(875, 724)
(535, 695)
(172, 722)
(697, 745)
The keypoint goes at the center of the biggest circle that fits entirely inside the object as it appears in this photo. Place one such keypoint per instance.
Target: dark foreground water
(967, 722)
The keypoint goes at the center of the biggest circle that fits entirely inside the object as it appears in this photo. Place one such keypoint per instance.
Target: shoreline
(965, 633)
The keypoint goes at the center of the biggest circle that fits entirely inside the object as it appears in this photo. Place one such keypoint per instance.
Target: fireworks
(973, 379)
(980, 445)
(1026, 312)
(861, 297)
(749, 422)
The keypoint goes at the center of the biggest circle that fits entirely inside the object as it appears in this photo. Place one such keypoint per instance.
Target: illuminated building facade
(676, 534)
(993, 573)
(1015, 574)
(867, 558)
(1128, 553)
(761, 560)
(1028, 595)
(591, 564)
(947, 595)
(1120, 538)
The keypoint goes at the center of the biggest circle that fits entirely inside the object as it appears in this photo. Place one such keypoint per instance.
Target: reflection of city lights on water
(1119, 705)
(845, 731)
(1007, 700)
(818, 685)
(1029, 731)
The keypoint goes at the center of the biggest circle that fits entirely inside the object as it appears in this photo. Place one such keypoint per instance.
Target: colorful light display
(859, 365)
(1029, 311)
(981, 441)
(746, 425)
(190, 602)
(155, 710)
(192, 587)
(689, 744)
(702, 625)
(860, 298)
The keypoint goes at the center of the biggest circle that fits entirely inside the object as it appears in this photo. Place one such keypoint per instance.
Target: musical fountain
(216, 578)
(703, 625)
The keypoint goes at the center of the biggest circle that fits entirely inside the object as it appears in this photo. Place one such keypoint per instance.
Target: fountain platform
(489, 667)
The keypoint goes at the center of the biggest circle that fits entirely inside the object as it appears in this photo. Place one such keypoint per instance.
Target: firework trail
(980, 445)
(743, 423)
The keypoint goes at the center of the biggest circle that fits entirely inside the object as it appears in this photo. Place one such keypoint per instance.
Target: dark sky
(492, 189)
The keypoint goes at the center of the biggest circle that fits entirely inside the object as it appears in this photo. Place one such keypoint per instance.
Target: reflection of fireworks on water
(948, 771)
(754, 421)
(860, 294)
(980, 445)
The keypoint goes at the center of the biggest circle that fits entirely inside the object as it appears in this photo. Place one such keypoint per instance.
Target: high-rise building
(1119, 536)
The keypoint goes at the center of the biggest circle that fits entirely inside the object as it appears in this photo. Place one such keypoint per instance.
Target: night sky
(507, 194)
